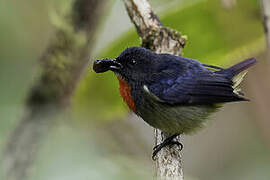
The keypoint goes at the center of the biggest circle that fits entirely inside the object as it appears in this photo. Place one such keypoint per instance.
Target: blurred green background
(97, 137)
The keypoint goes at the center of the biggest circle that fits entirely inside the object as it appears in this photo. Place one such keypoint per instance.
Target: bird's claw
(167, 142)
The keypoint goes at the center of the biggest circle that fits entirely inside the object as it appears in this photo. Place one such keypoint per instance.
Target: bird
(173, 93)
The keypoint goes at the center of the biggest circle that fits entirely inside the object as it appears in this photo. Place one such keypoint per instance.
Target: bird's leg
(168, 141)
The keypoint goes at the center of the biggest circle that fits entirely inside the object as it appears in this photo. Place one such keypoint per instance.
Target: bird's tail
(237, 73)
(242, 66)
(238, 68)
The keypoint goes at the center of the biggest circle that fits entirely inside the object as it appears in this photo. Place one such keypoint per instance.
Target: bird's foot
(167, 142)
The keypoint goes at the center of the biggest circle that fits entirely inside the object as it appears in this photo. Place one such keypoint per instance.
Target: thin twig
(160, 39)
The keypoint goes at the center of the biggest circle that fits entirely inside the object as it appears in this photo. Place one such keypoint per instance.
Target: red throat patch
(126, 93)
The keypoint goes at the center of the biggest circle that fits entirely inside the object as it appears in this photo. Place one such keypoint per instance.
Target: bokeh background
(97, 137)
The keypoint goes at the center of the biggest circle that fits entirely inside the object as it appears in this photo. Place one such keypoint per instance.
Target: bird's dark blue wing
(191, 84)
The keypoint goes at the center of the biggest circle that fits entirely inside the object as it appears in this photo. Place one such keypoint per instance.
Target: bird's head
(133, 64)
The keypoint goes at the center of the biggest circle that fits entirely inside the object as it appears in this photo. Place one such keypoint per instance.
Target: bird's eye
(133, 62)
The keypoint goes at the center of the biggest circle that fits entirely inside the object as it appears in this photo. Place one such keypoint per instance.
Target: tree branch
(160, 39)
(265, 6)
(61, 66)
(154, 35)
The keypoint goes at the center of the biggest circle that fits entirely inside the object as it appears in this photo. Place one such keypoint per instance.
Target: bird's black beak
(104, 65)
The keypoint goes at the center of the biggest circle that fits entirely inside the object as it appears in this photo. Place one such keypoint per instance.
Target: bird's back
(182, 94)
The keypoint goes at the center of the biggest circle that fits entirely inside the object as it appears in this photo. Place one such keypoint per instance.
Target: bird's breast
(125, 92)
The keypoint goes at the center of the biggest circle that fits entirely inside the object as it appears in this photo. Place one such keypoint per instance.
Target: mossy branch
(61, 66)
